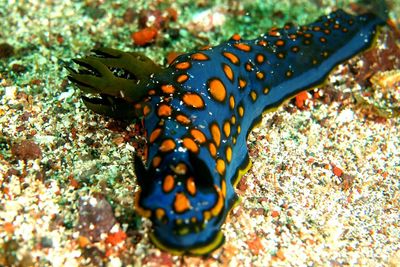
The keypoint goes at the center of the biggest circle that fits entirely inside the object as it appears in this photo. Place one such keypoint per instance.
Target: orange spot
(168, 183)
(206, 47)
(152, 92)
(181, 203)
(295, 49)
(293, 36)
(289, 73)
(199, 56)
(232, 57)
(316, 28)
(168, 88)
(193, 100)
(337, 171)
(260, 75)
(155, 134)
(266, 90)
(215, 133)
(260, 58)
(182, 65)
(233, 119)
(217, 89)
(160, 213)
(182, 78)
(164, 110)
(280, 43)
(243, 47)
(156, 161)
(191, 186)
(262, 43)
(227, 128)
(167, 145)
(198, 135)
(146, 110)
(180, 168)
(190, 144)
(231, 102)
(220, 166)
(280, 55)
(322, 39)
(228, 71)
(182, 119)
(307, 35)
(212, 149)
(144, 36)
(220, 202)
(241, 111)
(236, 37)
(228, 154)
(242, 83)
(248, 67)
(239, 129)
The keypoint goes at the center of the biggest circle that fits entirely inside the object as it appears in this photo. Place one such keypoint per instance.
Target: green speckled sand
(323, 190)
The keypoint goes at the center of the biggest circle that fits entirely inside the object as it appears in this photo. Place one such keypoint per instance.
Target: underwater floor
(324, 188)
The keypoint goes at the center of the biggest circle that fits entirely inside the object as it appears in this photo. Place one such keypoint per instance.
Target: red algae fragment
(26, 150)
(144, 36)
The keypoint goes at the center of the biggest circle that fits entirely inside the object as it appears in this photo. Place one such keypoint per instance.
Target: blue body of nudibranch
(202, 107)
(199, 111)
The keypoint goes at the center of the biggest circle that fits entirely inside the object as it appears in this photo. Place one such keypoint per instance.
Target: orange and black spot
(198, 136)
(217, 89)
(232, 57)
(266, 90)
(220, 166)
(280, 55)
(242, 83)
(280, 43)
(241, 110)
(168, 183)
(181, 203)
(190, 144)
(227, 128)
(182, 118)
(213, 149)
(260, 58)
(182, 78)
(183, 65)
(167, 89)
(191, 186)
(215, 133)
(167, 145)
(322, 39)
(154, 135)
(253, 95)
(289, 73)
(260, 75)
(164, 110)
(193, 100)
(228, 71)
(199, 56)
(228, 154)
(243, 47)
(231, 102)
(295, 49)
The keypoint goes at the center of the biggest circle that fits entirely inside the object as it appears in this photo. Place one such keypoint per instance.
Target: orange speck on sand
(8, 227)
(337, 171)
(255, 245)
(115, 238)
(144, 36)
(274, 213)
(301, 99)
(83, 241)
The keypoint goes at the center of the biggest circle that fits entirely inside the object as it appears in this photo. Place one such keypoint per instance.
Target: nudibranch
(198, 112)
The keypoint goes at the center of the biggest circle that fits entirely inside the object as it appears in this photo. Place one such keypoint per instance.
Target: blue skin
(340, 46)
(196, 230)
